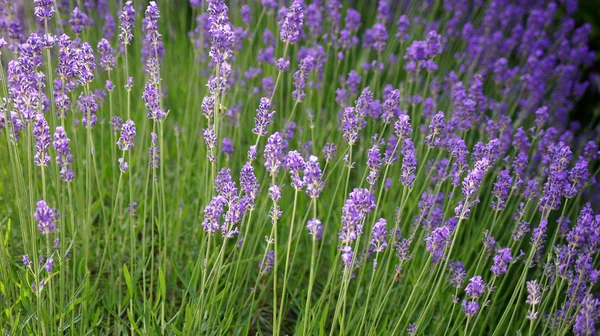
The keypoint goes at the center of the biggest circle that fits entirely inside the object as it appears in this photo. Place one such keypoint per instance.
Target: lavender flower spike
(127, 134)
(63, 154)
(45, 217)
(127, 18)
(292, 25)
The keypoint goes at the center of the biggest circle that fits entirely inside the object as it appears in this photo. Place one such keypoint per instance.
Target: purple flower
(521, 229)
(107, 61)
(212, 214)
(49, 264)
(329, 151)
(127, 19)
(501, 190)
(436, 242)
(470, 308)
(274, 193)
(41, 133)
(458, 274)
(263, 117)
(78, 20)
(45, 217)
(221, 31)
(312, 177)
(402, 127)
(374, 163)
(26, 261)
(273, 153)
(409, 163)
(577, 177)
(402, 23)
(84, 64)
(266, 265)
(227, 147)
(211, 142)
(152, 98)
(292, 25)
(300, 77)
(539, 234)
(152, 48)
(501, 261)
(412, 329)
(476, 287)
(585, 322)
(378, 236)
(123, 165)
(534, 297)
(63, 154)
(437, 130)
(248, 181)
(282, 64)
(359, 203)
(154, 152)
(378, 36)
(225, 186)
(87, 105)
(44, 9)
(246, 14)
(252, 153)
(472, 182)
(347, 257)
(402, 250)
(127, 134)
(315, 228)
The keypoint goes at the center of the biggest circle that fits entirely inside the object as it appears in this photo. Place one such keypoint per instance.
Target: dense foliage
(319, 167)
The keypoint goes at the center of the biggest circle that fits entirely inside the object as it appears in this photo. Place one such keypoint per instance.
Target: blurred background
(588, 108)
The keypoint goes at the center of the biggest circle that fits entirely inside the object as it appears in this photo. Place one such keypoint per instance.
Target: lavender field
(306, 167)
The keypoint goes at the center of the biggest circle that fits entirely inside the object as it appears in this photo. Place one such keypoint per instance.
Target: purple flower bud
(347, 257)
(475, 288)
(315, 228)
(436, 242)
(292, 25)
(409, 163)
(273, 153)
(266, 266)
(63, 154)
(274, 193)
(41, 133)
(44, 9)
(402, 127)
(501, 261)
(107, 61)
(78, 20)
(212, 214)
(127, 19)
(470, 308)
(437, 130)
(26, 261)
(45, 217)
(534, 293)
(282, 64)
(378, 236)
(263, 117)
(123, 165)
(127, 134)
(154, 152)
(585, 322)
(49, 265)
(329, 151)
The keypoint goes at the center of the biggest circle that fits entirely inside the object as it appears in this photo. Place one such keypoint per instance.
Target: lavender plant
(297, 167)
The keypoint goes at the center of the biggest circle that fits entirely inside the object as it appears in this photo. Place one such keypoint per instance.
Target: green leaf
(128, 281)
(162, 283)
